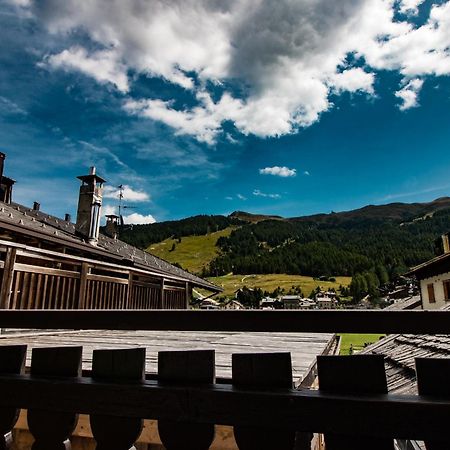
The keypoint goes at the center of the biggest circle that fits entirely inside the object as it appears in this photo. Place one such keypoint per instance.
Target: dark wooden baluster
(186, 367)
(433, 377)
(263, 371)
(128, 366)
(359, 374)
(12, 361)
(51, 430)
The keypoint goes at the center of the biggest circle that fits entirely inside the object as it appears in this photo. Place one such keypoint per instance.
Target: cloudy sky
(202, 106)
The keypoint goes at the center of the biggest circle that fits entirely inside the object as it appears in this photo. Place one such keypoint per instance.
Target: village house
(434, 278)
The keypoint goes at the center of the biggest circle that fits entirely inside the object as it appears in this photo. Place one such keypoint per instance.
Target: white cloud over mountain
(287, 57)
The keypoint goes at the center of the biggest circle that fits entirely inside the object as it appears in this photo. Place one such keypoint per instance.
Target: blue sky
(204, 108)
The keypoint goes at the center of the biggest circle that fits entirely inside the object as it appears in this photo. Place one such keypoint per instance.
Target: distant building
(234, 305)
(291, 301)
(209, 303)
(434, 279)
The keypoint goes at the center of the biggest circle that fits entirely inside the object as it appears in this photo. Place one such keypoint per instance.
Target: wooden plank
(12, 361)
(17, 287)
(104, 278)
(184, 368)
(39, 291)
(413, 322)
(7, 279)
(40, 269)
(399, 416)
(83, 285)
(52, 429)
(357, 375)
(24, 290)
(266, 371)
(432, 379)
(124, 365)
(31, 291)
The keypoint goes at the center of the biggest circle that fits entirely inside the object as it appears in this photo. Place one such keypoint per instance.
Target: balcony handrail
(395, 416)
(292, 321)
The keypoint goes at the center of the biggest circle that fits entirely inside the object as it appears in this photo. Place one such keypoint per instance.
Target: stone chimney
(6, 184)
(89, 206)
(112, 225)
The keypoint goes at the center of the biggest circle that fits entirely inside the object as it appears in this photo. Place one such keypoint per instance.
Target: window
(446, 284)
(431, 296)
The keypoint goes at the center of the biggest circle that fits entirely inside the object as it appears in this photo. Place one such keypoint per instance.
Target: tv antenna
(121, 205)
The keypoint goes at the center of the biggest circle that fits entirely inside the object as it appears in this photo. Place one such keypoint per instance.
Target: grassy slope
(193, 252)
(357, 340)
(231, 283)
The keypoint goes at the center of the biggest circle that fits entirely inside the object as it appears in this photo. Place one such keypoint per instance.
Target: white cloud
(410, 6)
(104, 66)
(289, 56)
(278, 171)
(137, 219)
(129, 194)
(241, 197)
(258, 193)
(306, 173)
(228, 197)
(409, 94)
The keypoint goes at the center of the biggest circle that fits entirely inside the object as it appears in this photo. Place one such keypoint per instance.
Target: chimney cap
(92, 176)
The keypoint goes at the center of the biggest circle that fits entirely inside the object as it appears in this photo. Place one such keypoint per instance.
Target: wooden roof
(304, 347)
(22, 220)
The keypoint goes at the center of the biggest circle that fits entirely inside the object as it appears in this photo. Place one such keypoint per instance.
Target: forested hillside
(383, 240)
(143, 235)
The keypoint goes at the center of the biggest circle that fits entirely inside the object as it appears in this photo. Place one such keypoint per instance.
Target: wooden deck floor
(304, 347)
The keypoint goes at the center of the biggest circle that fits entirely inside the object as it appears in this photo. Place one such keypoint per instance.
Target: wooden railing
(352, 407)
(33, 278)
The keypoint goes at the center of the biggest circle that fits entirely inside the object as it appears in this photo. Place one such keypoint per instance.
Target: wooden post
(83, 286)
(111, 432)
(162, 294)
(432, 379)
(51, 430)
(8, 275)
(187, 295)
(12, 361)
(358, 374)
(130, 293)
(263, 371)
(186, 367)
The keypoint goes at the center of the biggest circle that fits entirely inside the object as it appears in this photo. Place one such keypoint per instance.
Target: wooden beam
(7, 279)
(295, 321)
(83, 285)
(397, 416)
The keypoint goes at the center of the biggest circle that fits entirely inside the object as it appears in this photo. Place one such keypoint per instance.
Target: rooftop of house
(21, 219)
(400, 351)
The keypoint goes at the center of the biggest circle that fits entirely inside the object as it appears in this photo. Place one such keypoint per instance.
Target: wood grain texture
(360, 375)
(186, 368)
(51, 430)
(112, 432)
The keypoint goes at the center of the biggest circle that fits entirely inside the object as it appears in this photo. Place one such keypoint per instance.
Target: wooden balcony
(351, 407)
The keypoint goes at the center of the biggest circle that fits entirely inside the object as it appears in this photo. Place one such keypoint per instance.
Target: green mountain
(383, 239)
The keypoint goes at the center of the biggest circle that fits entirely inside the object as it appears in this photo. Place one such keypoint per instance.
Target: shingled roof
(21, 219)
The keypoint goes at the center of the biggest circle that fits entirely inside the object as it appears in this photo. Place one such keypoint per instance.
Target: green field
(357, 341)
(270, 282)
(193, 252)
